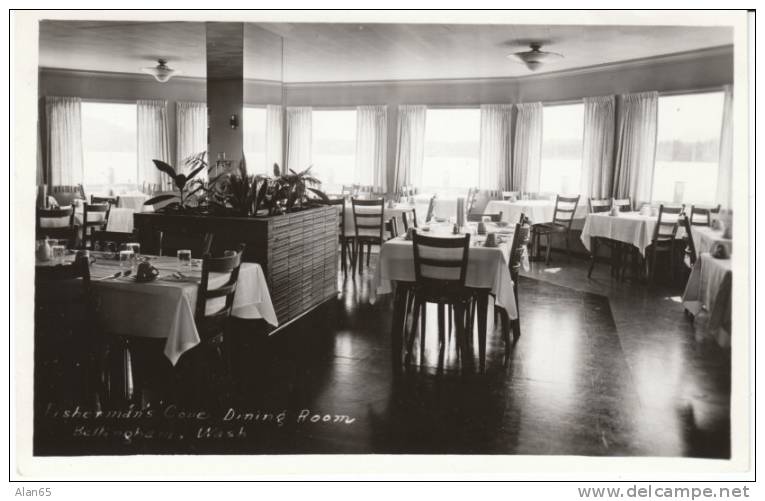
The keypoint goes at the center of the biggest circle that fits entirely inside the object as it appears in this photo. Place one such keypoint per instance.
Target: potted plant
(185, 188)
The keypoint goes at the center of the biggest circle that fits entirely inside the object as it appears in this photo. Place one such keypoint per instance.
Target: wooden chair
(368, 219)
(690, 245)
(704, 216)
(431, 208)
(663, 240)
(480, 201)
(113, 201)
(596, 206)
(509, 195)
(64, 228)
(410, 219)
(67, 194)
(391, 228)
(563, 217)
(624, 204)
(440, 268)
(92, 223)
(346, 242)
(520, 244)
(110, 241)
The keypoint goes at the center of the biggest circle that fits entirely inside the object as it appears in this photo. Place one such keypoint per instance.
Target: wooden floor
(602, 368)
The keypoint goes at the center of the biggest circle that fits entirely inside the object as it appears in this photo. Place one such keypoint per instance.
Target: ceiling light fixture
(161, 72)
(534, 58)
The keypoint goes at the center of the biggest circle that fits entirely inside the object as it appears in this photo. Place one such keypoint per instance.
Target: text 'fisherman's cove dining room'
(438, 236)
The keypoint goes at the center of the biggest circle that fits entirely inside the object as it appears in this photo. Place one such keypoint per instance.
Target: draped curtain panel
(299, 138)
(64, 140)
(273, 137)
(494, 168)
(153, 141)
(725, 169)
(410, 149)
(527, 152)
(371, 146)
(191, 125)
(636, 146)
(598, 146)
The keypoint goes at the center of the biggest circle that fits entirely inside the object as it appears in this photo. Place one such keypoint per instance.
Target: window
(334, 147)
(452, 146)
(109, 147)
(687, 148)
(254, 129)
(562, 136)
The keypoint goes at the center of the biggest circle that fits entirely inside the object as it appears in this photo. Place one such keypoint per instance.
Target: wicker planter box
(298, 251)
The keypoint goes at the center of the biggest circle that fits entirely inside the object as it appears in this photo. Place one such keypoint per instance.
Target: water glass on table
(57, 252)
(184, 260)
(127, 258)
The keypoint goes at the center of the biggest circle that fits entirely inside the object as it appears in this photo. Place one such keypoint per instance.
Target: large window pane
(687, 149)
(254, 129)
(562, 136)
(109, 149)
(452, 145)
(334, 147)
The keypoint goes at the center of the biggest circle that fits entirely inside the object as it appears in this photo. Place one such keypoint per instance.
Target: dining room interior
(383, 238)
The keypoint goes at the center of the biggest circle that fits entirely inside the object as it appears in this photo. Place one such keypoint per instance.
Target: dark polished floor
(602, 368)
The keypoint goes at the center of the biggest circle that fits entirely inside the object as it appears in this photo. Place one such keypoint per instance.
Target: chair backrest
(339, 202)
(113, 201)
(111, 241)
(508, 195)
(666, 225)
(716, 210)
(90, 209)
(409, 218)
(690, 246)
(440, 261)
(565, 209)
(523, 219)
(431, 208)
(391, 227)
(481, 199)
(521, 239)
(494, 194)
(598, 205)
(215, 321)
(700, 216)
(66, 194)
(368, 218)
(624, 204)
(56, 223)
(470, 200)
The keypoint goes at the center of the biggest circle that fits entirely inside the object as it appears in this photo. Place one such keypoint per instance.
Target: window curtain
(496, 147)
(598, 146)
(153, 141)
(64, 140)
(725, 169)
(299, 138)
(371, 146)
(636, 146)
(527, 151)
(273, 137)
(410, 149)
(191, 128)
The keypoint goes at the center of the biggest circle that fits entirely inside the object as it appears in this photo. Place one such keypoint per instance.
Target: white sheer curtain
(153, 140)
(273, 137)
(636, 146)
(598, 146)
(725, 169)
(496, 147)
(371, 146)
(191, 128)
(64, 140)
(410, 148)
(527, 151)
(299, 138)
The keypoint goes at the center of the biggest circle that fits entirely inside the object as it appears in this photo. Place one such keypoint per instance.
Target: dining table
(707, 297)
(164, 307)
(706, 237)
(488, 273)
(632, 228)
(538, 211)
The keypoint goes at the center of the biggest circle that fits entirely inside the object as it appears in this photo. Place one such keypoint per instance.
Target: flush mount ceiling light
(161, 72)
(534, 58)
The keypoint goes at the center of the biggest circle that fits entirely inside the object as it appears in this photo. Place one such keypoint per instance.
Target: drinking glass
(135, 247)
(184, 259)
(57, 253)
(126, 260)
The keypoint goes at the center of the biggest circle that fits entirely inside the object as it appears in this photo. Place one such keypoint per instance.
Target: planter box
(298, 251)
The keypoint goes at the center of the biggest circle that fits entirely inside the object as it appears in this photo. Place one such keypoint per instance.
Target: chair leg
(360, 256)
(412, 331)
(369, 253)
(483, 308)
(441, 326)
(342, 257)
(549, 247)
(652, 266)
(594, 251)
(459, 320)
(423, 326)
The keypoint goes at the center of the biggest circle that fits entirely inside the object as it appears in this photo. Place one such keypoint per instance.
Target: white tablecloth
(705, 237)
(487, 267)
(539, 211)
(628, 227)
(120, 220)
(397, 212)
(164, 308)
(709, 290)
(132, 201)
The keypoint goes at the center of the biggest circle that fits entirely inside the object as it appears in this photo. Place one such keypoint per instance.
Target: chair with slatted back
(391, 228)
(440, 269)
(113, 201)
(368, 219)
(597, 206)
(563, 217)
(663, 240)
(431, 209)
(409, 218)
(623, 204)
(94, 218)
(214, 304)
(690, 246)
(509, 195)
(519, 247)
(700, 216)
(480, 201)
(345, 241)
(56, 223)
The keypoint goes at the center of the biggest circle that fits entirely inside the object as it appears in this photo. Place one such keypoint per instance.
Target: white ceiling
(325, 52)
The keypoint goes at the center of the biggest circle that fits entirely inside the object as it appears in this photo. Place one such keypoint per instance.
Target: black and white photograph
(507, 234)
